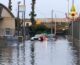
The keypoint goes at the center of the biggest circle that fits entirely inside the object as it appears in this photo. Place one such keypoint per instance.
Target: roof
(47, 20)
(7, 10)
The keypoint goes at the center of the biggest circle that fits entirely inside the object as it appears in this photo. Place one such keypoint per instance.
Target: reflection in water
(39, 53)
(56, 53)
(44, 44)
(5, 56)
(23, 52)
(64, 54)
(32, 53)
(18, 53)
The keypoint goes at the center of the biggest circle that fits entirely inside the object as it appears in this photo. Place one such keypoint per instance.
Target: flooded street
(58, 52)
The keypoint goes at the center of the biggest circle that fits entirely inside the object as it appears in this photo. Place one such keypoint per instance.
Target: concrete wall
(76, 38)
(76, 30)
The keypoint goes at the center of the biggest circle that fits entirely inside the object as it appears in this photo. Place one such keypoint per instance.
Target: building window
(8, 31)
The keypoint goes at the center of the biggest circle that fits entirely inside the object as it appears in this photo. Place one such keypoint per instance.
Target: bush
(37, 29)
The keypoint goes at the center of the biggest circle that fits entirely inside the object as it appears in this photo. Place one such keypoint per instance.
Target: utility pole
(23, 13)
(24, 34)
(72, 29)
(52, 22)
(32, 14)
(18, 19)
(73, 16)
(55, 25)
(18, 28)
(10, 6)
(68, 15)
(68, 7)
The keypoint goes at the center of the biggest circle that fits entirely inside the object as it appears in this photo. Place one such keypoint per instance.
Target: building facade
(7, 22)
(61, 23)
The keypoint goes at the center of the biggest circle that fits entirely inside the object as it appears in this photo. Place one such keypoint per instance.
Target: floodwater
(58, 52)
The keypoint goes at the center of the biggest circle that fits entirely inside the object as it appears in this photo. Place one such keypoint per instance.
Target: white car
(36, 37)
(51, 36)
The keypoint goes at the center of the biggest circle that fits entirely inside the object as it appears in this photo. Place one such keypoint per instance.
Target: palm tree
(32, 14)
(10, 6)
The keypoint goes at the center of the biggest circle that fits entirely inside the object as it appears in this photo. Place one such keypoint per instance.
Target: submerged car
(43, 38)
(39, 37)
(36, 37)
(51, 36)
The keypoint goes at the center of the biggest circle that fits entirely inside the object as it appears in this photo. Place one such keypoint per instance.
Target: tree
(10, 6)
(38, 29)
(32, 14)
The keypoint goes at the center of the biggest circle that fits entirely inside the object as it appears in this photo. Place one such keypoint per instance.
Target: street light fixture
(22, 9)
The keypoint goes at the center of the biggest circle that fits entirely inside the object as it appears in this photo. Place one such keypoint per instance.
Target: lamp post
(68, 6)
(73, 15)
(22, 9)
(18, 8)
(18, 20)
(24, 20)
(72, 28)
(52, 22)
(55, 24)
(18, 28)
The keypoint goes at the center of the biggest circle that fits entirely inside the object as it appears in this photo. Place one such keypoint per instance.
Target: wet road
(58, 52)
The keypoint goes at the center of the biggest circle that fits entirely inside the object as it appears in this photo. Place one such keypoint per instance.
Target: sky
(43, 8)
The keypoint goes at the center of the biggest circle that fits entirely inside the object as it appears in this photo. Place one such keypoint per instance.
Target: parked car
(36, 37)
(39, 37)
(51, 36)
(43, 38)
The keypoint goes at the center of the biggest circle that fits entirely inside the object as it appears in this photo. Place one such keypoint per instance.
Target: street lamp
(18, 28)
(52, 23)
(18, 20)
(18, 8)
(72, 27)
(24, 19)
(55, 24)
(22, 9)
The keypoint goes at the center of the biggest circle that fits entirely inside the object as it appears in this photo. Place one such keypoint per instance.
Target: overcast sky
(43, 7)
